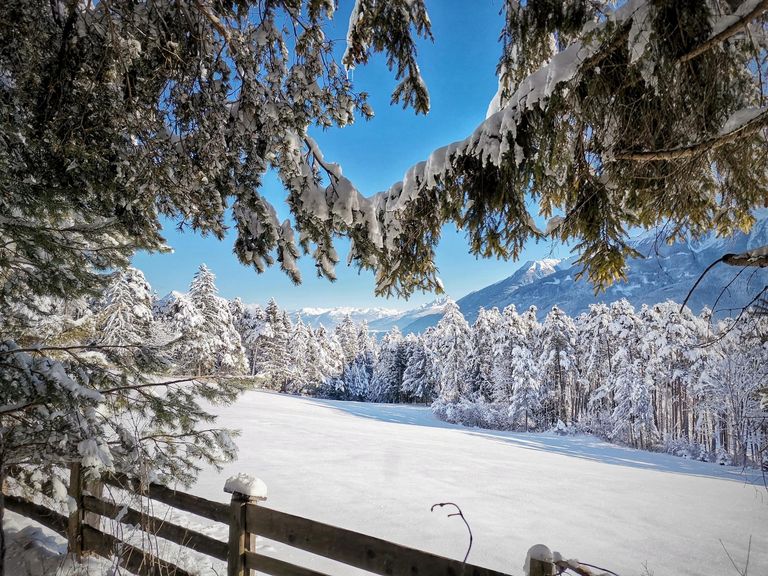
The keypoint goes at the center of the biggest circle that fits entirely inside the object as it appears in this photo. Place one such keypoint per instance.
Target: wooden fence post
(246, 490)
(75, 526)
(237, 534)
(540, 561)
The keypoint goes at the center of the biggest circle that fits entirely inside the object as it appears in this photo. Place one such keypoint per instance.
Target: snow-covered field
(378, 468)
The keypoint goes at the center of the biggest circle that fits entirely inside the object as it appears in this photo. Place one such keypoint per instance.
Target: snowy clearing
(377, 469)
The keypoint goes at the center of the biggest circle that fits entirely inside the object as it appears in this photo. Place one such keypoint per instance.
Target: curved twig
(460, 514)
(698, 281)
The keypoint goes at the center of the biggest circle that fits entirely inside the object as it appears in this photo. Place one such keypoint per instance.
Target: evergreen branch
(173, 438)
(165, 383)
(11, 408)
(684, 152)
(146, 385)
(731, 30)
(76, 347)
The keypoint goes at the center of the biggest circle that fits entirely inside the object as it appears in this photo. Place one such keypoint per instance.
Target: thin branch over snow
(460, 514)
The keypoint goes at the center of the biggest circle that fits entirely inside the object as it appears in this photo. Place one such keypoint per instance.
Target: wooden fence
(246, 518)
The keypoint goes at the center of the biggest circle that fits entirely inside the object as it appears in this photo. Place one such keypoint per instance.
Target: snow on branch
(747, 12)
(757, 257)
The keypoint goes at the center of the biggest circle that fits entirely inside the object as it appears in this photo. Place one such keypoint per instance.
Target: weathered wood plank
(237, 536)
(159, 527)
(48, 518)
(359, 550)
(215, 511)
(133, 559)
(75, 528)
(275, 567)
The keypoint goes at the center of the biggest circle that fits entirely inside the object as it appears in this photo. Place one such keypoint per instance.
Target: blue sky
(459, 69)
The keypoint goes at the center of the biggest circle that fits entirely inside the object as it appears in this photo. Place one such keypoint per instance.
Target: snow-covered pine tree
(557, 365)
(69, 402)
(272, 358)
(125, 324)
(331, 355)
(368, 348)
(358, 359)
(419, 383)
(483, 346)
(183, 322)
(237, 312)
(299, 377)
(348, 336)
(669, 345)
(221, 350)
(449, 346)
(515, 331)
(525, 403)
(250, 323)
(594, 345)
(387, 379)
(319, 368)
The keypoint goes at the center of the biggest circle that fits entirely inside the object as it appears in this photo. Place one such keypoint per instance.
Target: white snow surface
(378, 468)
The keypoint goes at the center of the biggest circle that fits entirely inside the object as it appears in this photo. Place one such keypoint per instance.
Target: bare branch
(698, 281)
(725, 34)
(213, 19)
(757, 257)
(681, 153)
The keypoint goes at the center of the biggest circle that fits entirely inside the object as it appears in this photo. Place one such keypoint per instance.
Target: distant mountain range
(379, 319)
(665, 272)
(330, 317)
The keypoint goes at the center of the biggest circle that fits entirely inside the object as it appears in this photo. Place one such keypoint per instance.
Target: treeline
(655, 378)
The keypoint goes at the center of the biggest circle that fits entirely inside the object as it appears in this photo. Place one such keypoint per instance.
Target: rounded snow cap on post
(539, 561)
(246, 485)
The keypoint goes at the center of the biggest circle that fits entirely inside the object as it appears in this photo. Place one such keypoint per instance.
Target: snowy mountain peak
(535, 269)
(440, 302)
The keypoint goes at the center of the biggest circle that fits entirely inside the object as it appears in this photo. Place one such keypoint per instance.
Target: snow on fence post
(245, 490)
(539, 561)
(76, 512)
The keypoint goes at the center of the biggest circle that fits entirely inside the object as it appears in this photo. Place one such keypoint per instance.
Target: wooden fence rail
(161, 528)
(94, 540)
(354, 549)
(246, 518)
